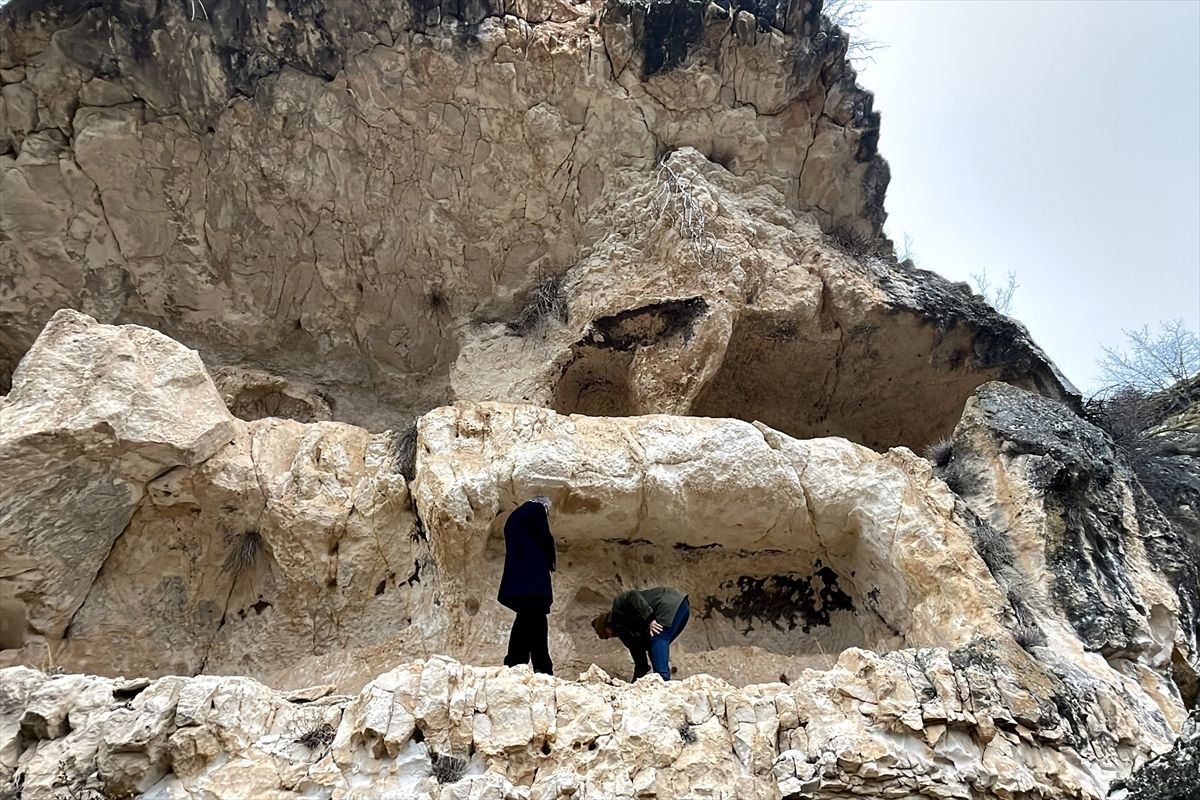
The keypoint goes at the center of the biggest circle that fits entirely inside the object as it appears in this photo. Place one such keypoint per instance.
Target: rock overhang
(362, 316)
(706, 494)
(826, 551)
(760, 316)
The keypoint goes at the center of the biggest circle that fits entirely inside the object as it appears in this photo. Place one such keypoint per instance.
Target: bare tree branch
(1150, 362)
(999, 297)
(847, 15)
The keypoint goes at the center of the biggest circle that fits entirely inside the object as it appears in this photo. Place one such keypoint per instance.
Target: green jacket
(630, 619)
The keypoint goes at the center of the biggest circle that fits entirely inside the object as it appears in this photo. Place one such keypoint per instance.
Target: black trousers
(530, 641)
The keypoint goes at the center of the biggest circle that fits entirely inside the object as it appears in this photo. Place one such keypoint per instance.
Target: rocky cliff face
(434, 259)
(893, 638)
(387, 205)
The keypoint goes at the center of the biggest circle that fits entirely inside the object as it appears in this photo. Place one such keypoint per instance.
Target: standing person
(529, 558)
(646, 620)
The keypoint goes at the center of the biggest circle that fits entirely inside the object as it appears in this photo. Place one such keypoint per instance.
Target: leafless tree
(1150, 404)
(1151, 363)
(1000, 296)
(847, 15)
(678, 200)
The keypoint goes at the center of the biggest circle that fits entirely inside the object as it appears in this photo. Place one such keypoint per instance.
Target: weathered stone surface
(706, 295)
(1172, 775)
(252, 394)
(912, 723)
(95, 413)
(295, 553)
(363, 199)
(822, 549)
(1071, 533)
(560, 216)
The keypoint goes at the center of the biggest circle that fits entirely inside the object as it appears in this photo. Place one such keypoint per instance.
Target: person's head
(602, 628)
(545, 501)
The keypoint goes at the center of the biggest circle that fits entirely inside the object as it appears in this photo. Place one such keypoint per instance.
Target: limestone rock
(820, 552)
(95, 413)
(628, 255)
(389, 207)
(252, 394)
(1060, 510)
(870, 726)
(847, 592)
(708, 296)
(1173, 774)
(289, 543)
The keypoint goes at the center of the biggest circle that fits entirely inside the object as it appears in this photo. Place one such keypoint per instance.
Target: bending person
(646, 620)
(529, 558)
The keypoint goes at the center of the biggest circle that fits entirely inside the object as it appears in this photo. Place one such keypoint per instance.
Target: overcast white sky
(1059, 140)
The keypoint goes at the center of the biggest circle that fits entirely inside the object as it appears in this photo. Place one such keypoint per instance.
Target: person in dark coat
(646, 620)
(529, 558)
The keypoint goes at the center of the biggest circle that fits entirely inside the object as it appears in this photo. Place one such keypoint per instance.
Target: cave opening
(756, 614)
(900, 382)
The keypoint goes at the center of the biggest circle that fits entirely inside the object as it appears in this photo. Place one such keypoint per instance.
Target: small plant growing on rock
(1026, 630)
(992, 546)
(1029, 636)
(69, 784)
(687, 733)
(12, 788)
(546, 301)
(848, 15)
(244, 553)
(979, 652)
(48, 665)
(939, 452)
(316, 737)
(438, 299)
(998, 296)
(676, 200)
(857, 245)
(72, 784)
(404, 451)
(448, 769)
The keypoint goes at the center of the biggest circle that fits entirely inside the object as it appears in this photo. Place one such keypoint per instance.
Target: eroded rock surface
(1071, 532)
(706, 295)
(627, 255)
(1173, 775)
(95, 413)
(922, 723)
(888, 635)
(296, 550)
(392, 204)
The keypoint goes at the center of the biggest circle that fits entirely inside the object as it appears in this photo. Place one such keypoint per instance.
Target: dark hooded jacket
(528, 559)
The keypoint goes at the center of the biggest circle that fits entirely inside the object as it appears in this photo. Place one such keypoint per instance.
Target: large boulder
(288, 555)
(95, 413)
(1068, 530)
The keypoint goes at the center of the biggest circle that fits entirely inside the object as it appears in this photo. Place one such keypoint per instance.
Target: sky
(1056, 140)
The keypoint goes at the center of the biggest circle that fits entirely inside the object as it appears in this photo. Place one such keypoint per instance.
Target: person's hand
(655, 628)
